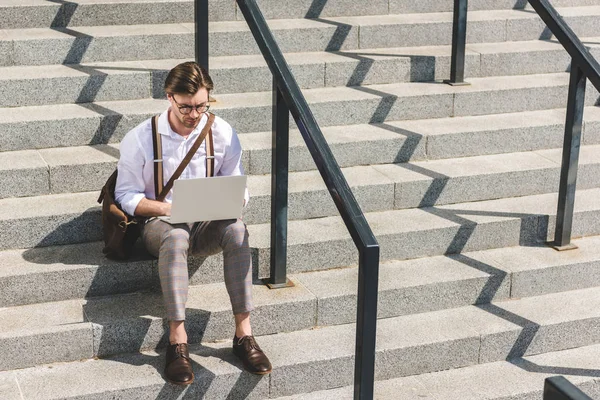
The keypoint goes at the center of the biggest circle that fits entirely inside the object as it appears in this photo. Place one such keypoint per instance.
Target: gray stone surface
(422, 232)
(41, 85)
(20, 16)
(218, 376)
(433, 62)
(141, 12)
(556, 321)
(39, 14)
(427, 183)
(372, 190)
(541, 270)
(405, 388)
(136, 322)
(229, 38)
(351, 145)
(92, 44)
(319, 8)
(423, 30)
(408, 345)
(522, 58)
(528, 26)
(68, 343)
(49, 220)
(25, 174)
(164, 41)
(80, 169)
(9, 388)
(511, 94)
(490, 134)
(69, 272)
(33, 335)
(408, 6)
(366, 70)
(408, 287)
(523, 379)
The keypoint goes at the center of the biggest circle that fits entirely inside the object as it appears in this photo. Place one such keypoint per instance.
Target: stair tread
(482, 330)
(523, 378)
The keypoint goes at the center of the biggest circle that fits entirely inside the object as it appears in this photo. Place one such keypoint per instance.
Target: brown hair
(187, 78)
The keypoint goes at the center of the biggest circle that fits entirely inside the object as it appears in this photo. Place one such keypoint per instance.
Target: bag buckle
(124, 224)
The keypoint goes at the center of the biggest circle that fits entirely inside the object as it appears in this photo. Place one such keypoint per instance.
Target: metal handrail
(559, 388)
(583, 66)
(287, 91)
(287, 98)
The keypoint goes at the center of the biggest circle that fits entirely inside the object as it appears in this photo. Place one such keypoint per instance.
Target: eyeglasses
(186, 108)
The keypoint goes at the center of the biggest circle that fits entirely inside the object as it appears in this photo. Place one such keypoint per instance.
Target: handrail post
(459, 39)
(279, 191)
(559, 388)
(201, 32)
(570, 160)
(366, 323)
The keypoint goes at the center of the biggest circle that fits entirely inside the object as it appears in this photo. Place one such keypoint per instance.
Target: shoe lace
(180, 350)
(249, 343)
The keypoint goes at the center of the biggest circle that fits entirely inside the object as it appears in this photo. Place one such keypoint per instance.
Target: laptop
(207, 199)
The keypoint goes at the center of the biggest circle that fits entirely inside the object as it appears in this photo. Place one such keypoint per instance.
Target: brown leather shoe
(253, 358)
(178, 366)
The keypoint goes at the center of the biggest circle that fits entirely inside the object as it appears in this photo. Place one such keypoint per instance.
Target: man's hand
(153, 208)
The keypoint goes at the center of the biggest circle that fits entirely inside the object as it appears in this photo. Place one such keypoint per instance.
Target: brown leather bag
(122, 230)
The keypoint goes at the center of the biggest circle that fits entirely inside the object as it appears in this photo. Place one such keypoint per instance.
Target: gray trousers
(172, 243)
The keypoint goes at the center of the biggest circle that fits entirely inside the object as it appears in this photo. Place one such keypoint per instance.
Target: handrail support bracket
(570, 159)
(280, 150)
(459, 39)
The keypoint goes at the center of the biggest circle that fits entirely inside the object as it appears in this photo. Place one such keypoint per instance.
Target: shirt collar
(164, 127)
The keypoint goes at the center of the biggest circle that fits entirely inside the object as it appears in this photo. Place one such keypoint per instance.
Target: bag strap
(210, 155)
(158, 162)
(188, 157)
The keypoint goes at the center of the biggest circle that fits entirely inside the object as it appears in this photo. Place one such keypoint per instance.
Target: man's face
(189, 108)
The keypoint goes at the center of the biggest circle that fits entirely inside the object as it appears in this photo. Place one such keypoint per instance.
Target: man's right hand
(153, 208)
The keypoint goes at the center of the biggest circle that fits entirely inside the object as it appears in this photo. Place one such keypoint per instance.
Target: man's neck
(177, 126)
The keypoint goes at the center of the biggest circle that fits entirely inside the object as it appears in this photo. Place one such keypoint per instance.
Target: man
(188, 87)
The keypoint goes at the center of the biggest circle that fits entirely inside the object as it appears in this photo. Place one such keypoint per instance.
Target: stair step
(404, 30)
(129, 80)
(75, 218)
(441, 282)
(40, 14)
(87, 44)
(393, 141)
(377, 188)
(516, 379)
(102, 122)
(78, 271)
(414, 233)
(424, 343)
(16, 14)
(427, 6)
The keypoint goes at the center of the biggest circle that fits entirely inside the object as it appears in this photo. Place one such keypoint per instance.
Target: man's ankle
(177, 333)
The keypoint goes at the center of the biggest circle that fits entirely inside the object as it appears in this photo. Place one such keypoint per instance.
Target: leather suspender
(158, 162)
(188, 157)
(210, 155)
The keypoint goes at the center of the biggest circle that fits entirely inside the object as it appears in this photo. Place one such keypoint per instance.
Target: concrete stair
(458, 184)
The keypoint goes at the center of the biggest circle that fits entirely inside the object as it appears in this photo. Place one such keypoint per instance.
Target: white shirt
(135, 179)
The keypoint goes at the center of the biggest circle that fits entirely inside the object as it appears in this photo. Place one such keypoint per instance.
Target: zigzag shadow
(533, 227)
(137, 330)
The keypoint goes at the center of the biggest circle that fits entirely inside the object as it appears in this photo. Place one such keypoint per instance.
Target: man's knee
(176, 238)
(235, 234)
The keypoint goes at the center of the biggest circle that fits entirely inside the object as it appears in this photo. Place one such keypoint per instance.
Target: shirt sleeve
(232, 161)
(130, 187)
